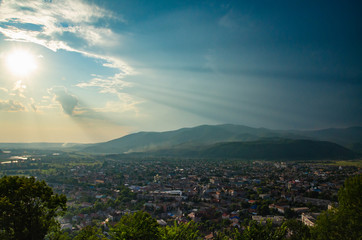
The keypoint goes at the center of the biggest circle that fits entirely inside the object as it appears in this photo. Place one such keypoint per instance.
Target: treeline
(141, 225)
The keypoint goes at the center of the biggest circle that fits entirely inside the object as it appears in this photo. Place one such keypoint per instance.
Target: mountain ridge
(184, 141)
(266, 149)
(210, 134)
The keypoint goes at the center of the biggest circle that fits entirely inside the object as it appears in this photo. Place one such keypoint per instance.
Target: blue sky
(104, 69)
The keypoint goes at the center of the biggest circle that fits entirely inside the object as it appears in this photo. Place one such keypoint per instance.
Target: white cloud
(126, 103)
(11, 106)
(53, 17)
(19, 88)
(112, 84)
(46, 22)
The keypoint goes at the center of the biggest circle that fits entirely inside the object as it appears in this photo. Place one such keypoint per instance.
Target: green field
(356, 163)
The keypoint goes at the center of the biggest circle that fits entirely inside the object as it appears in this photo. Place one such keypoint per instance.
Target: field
(356, 163)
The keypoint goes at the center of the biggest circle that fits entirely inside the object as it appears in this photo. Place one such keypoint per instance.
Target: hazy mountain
(43, 146)
(201, 135)
(282, 149)
(223, 141)
(343, 136)
(205, 135)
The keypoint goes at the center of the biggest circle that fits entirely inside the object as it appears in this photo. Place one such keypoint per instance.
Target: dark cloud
(66, 100)
(11, 106)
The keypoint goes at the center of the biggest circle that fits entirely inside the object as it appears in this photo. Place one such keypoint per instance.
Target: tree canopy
(344, 222)
(27, 208)
(139, 225)
(186, 231)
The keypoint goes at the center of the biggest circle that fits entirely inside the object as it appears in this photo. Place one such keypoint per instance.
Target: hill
(186, 137)
(206, 135)
(283, 149)
(343, 136)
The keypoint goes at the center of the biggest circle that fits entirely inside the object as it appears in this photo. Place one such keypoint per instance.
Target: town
(217, 193)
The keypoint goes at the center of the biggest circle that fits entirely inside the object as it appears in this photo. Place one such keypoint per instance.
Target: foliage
(28, 208)
(90, 233)
(296, 229)
(344, 222)
(139, 225)
(256, 231)
(54, 233)
(349, 196)
(186, 231)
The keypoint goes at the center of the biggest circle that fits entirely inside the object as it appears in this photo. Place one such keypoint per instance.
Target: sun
(21, 63)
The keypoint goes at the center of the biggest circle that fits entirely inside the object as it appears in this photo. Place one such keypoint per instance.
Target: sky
(92, 71)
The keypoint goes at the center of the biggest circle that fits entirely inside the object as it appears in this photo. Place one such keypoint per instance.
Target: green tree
(139, 225)
(263, 209)
(344, 222)
(55, 233)
(296, 230)
(90, 233)
(27, 208)
(257, 231)
(186, 231)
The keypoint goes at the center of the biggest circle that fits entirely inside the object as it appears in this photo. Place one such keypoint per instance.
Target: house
(279, 208)
(66, 226)
(278, 220)
(300, 210)
(309, 219)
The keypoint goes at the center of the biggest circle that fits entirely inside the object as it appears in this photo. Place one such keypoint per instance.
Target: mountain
(268, 149)
(186, 139)
(282, 149)
(343, 136)
(42, 146)
(350, 137)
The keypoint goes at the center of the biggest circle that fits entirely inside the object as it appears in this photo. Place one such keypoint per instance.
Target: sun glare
(21, 63)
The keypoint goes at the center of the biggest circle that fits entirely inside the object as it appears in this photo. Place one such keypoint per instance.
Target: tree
(263, 209)
(27, 208)
(90, 233)
(139, 225)
(257, 231)
(186, 231)
(344, 222)
(55, 233)
(296, 229)
(349, 196)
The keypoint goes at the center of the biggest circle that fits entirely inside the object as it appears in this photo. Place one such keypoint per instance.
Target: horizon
(92, 71)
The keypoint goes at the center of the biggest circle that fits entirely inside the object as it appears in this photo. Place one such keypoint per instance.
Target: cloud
(66, 100)
(228, 21)
(19, 89)
(11, 106)
(234, 20)
(106, 84)
(75, 26)
(32, 104)
(126, 103)
(49, 23)
(113, 85)
(4, 89)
